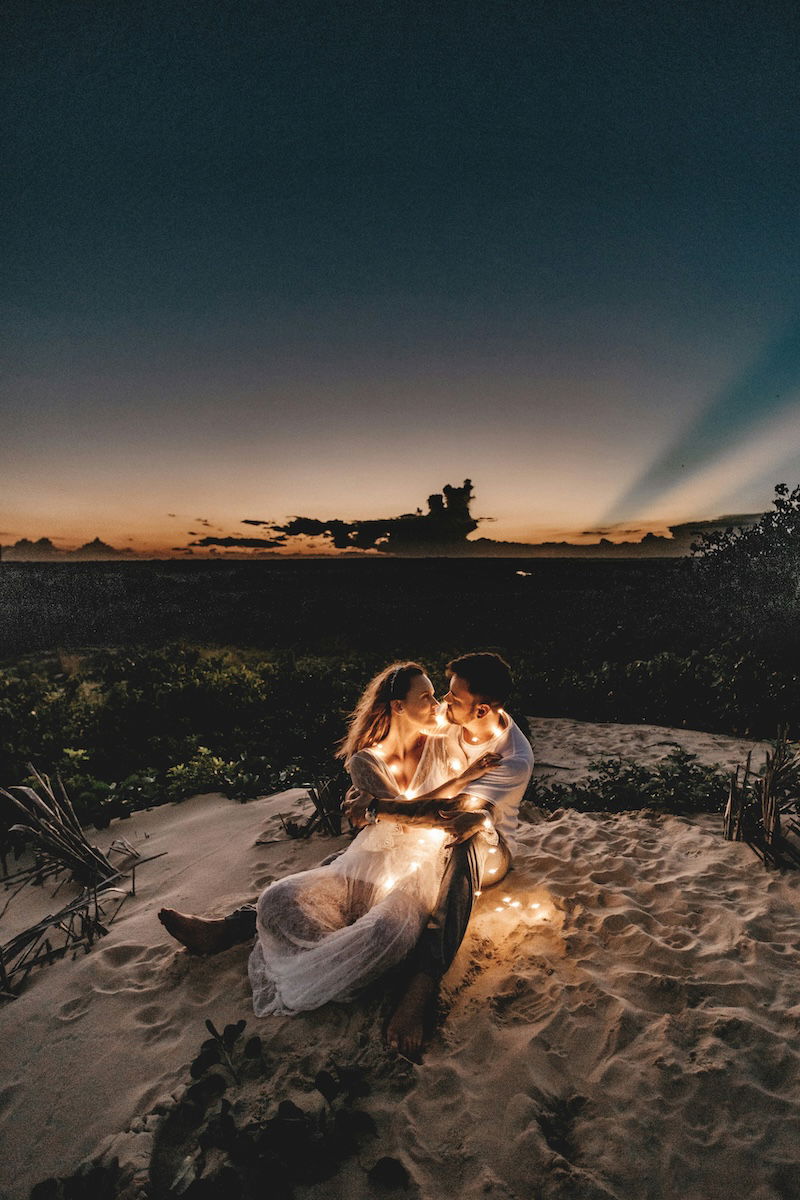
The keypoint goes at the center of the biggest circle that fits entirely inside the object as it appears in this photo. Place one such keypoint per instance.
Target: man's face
(461, 703)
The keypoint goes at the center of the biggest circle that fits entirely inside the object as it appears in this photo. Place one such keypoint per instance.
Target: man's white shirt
(503, 787)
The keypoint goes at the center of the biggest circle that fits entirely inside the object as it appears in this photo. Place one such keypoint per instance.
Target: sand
(635, 1036)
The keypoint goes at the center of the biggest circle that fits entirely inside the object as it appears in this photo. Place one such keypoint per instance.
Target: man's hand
(464, 825)
(461, 803)
(478, 768)
(355, 805)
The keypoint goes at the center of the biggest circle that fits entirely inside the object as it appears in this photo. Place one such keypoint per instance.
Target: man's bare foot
(198, 934)
(405, 1032)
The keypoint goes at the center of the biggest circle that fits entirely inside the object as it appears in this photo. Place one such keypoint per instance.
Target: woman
(324, 933)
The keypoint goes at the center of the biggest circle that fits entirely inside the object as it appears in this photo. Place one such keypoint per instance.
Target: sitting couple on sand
(436, 807)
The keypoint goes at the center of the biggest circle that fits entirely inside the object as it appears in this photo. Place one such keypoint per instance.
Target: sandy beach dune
(622, 1019)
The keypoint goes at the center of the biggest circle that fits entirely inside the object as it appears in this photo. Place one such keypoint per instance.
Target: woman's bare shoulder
(366, 770)
(364, 756)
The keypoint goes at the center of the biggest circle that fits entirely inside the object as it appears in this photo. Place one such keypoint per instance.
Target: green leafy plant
(749, 577)
(222, 1152)
(677, 784)
(204, 772)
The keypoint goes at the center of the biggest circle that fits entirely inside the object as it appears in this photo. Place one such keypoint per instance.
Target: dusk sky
(264, 260)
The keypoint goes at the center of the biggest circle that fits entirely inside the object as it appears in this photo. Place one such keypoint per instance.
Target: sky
(320, 259)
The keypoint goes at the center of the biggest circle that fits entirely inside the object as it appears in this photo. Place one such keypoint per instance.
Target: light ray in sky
(720, 485)
(767, 388)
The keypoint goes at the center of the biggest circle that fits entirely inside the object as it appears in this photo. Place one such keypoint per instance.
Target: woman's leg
(324, 940)
(210, 935)
(299, 910)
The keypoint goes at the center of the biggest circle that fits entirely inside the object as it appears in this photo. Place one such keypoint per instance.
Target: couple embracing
(435, 802)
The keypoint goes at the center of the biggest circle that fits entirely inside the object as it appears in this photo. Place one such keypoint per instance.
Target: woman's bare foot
(405, 1032)
(198, 934)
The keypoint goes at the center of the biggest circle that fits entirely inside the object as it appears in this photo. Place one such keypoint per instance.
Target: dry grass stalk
(327, 798)
(56, 835)
(764, 812)
(60, 846)
(78, 925)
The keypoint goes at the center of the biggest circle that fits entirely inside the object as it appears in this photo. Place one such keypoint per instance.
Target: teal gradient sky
(323, 260)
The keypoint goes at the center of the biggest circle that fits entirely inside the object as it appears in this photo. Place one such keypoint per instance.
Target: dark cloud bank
(444, 531)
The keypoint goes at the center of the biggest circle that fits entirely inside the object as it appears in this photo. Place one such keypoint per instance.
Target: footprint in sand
(653, 993)
(151, 1014)
(199, 986)
(130, 967)
(522, 1005)
(154, 1022)
(259, 882)
(71, 1010)
(121, 955)
(680, 940)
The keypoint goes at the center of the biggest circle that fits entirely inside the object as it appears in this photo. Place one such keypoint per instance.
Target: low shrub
(677, 784)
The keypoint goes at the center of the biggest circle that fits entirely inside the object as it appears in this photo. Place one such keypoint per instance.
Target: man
(479, 685)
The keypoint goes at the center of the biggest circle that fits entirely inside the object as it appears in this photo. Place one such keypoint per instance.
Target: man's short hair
(487, 676)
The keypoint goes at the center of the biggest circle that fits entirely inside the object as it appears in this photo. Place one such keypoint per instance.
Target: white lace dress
(324, 933)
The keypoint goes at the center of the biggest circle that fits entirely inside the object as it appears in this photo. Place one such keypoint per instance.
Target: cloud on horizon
(244, 543)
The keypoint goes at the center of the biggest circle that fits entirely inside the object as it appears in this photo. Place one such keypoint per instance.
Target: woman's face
(420, 704)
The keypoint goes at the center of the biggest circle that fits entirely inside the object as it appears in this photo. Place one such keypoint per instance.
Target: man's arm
(491, 791)
(507, 774)
(426, 812)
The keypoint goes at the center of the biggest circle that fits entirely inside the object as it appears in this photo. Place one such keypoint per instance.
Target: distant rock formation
(97, 549)
(43, 550)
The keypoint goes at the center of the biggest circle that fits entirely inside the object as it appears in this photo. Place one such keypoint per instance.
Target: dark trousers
(447, 924)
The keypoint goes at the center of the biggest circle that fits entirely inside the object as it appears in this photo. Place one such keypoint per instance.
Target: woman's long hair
(372, 716)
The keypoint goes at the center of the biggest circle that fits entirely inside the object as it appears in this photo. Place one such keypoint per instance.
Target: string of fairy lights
(433, 838)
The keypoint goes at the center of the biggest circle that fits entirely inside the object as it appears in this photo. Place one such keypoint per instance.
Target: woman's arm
(433, 810)
(454, 789)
